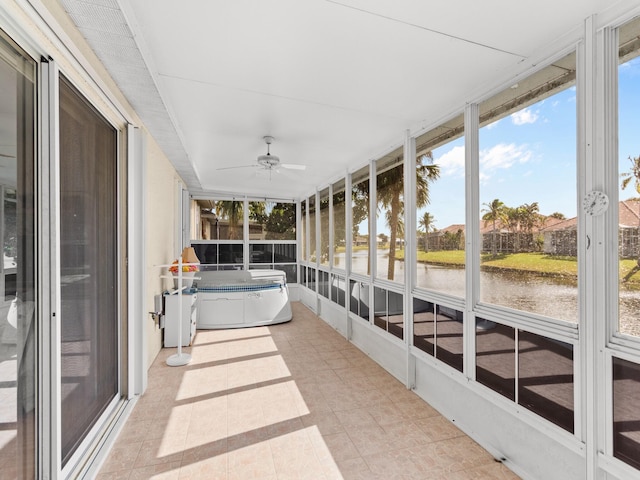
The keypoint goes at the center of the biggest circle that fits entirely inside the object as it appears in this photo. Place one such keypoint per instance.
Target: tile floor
(291, 401)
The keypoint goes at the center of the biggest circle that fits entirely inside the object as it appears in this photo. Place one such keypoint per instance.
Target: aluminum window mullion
(473, 237)
(373, 230)
(608, 41)
(49, 399)
(348, 240)
(136, 261)
(410, 254)
(307, 238)
(245, 234)
(591, 243)
(298, 241)
(330, 226)
(317, 232)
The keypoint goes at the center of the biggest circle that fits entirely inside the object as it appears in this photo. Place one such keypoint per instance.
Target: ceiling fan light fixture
(268, 161)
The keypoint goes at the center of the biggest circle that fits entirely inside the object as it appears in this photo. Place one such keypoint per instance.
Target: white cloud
(502, 156)
(524, 116)
(451, 162)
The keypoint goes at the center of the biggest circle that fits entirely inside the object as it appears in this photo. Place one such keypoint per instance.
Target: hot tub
(242, 298)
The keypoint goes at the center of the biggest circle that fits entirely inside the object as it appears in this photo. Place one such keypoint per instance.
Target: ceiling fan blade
(239, 166)
(288, 174)
(293, 166)
(7, 156)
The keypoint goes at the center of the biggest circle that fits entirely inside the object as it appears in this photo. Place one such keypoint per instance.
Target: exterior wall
(561, 242)
(629, 242)
(68, 67)
(512, 435)
(161, 223)
(161, 176)
(43, 29)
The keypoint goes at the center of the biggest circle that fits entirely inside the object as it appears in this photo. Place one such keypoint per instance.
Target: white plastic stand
(179, 358)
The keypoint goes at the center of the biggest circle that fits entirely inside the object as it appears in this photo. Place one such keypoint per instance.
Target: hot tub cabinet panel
(234, 299)
(218, 310)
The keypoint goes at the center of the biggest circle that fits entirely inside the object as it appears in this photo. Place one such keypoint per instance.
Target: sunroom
(452, 193)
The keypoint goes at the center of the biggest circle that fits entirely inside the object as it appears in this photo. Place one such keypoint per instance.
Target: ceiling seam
(293, 99)
(421, 27)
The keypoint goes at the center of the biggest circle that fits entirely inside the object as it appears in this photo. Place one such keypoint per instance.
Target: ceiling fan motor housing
(268, 161)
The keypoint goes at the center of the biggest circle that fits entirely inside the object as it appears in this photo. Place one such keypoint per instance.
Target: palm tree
(399, 222)
(426, 222)
(383, 238)
(232, 210)
(324, 229)
(633, 174)
(496, 210)
(426, 172)
(531, 216)
(627, 177)
(512, 217)
(360, 212)
(390, 189)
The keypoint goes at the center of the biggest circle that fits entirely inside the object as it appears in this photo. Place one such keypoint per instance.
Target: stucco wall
(161, 176)
(162, 202)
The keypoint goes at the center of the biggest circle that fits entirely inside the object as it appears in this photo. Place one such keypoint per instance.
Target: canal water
(552, 297)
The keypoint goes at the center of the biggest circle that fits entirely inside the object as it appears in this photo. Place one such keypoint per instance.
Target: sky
(530, 156)
(526, 157)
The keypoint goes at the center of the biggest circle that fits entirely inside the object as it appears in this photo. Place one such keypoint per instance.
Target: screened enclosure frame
(597, 256)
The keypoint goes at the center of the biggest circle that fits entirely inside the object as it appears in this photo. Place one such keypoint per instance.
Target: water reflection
(552, 297)
(549, 296)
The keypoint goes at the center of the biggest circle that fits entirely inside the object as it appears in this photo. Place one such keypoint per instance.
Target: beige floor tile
(356, 418)
(213, 468)
(415, 407)
(122, 457)
(290, 401)
(252, 461)
(340, 446)
(244, 439)
(295, 457)
(405, 434)
(158, 451)
(369, 440)
(121, 475)
(327, 423)
(165, 471)
(136, 431)
(494, 471)
(438, 428)
(387, 412)
(393, 462)
(450, 456)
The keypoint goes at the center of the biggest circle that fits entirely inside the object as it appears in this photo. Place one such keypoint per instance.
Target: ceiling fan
(268, 162)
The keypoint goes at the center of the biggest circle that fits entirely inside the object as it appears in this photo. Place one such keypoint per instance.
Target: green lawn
(534, 262)
(630, 274)
(529, 262)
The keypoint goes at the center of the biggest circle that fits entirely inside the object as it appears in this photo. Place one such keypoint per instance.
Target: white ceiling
(335, 82)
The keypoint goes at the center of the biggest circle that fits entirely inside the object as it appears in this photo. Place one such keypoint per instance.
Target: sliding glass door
(88, 267)
(17, 278)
